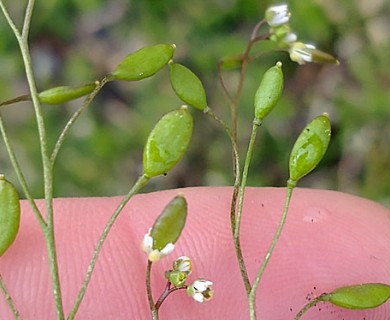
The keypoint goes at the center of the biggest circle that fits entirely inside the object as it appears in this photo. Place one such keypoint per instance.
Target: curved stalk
(236, 235)
(72, 120)
(152, 307)
(252, 296)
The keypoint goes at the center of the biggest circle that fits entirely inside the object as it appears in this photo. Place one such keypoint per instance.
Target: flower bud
(176, 278)
(310, 147)
(183, 264)
(269, 91)
(187, 86)
(9, 214)
(168, 142)
(277, 15)
(59, 95)
(144, 63)
(364, 296)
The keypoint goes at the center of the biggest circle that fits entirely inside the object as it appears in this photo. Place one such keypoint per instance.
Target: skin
(330, 239)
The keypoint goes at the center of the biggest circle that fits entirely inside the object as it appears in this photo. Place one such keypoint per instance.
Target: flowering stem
(167, 291)
(153, 308)
(252, 296)
(9, 300)
(236, 236)
(244, 63)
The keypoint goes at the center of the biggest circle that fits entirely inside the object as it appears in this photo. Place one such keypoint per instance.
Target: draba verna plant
(165, 146)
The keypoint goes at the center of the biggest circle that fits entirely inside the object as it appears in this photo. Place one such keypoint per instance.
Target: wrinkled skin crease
(330, 239)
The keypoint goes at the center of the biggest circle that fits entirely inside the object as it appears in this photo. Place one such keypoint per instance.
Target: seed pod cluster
(9, 214)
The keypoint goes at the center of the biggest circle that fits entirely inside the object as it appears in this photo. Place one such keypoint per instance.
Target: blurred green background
(74, 41)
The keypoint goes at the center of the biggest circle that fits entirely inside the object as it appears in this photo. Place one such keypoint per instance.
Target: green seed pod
(9, 214)
(310, 147)
(168, 142)
(59, 95)
(187, 86)
(269, 91)
(170, 223)
(364, 296)
(144, 62)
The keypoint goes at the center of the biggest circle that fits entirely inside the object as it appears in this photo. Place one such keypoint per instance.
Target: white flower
(201, 290)
(277, 15)
(302, 52)
(290, 38)
(183, 264)
(155, 254)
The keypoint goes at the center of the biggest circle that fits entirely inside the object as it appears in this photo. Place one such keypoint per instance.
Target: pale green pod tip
(170, 223)
(310, 147)
(269, 91)
(167, 142)
(187, 86)
(144, 62)
(363, 296)
(9, 214)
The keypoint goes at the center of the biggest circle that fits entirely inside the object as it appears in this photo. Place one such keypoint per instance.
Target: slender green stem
(9, 300)
(27, 19)
(20, 174)
(236, 235)
(10, 22)
(47, 166)
(252, 296)
(311, 304)
(236, 166)
(140, 183)
(72, 120)
(152, 307)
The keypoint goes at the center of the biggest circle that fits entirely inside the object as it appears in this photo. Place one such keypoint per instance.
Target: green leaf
(144, 63)
(168, 142)
(310, 147)
(187, 86)
(9, 214)
(269, 91)
(364, 296)
(59, 95)
(170, 223)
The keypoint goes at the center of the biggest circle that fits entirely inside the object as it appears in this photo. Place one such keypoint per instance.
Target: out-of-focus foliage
(80, 41)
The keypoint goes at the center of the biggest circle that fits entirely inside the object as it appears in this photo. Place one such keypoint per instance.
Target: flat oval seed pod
(269, 91)
(144, 63)
(187, 86)
(9, 214)
(170, 223)
(364, 296)
(310, 147)
(168, 142)
(59, 95)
